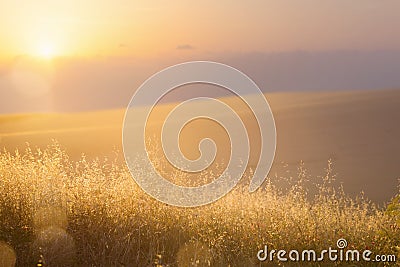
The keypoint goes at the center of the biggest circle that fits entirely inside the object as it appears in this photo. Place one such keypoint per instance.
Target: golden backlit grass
(91, 213)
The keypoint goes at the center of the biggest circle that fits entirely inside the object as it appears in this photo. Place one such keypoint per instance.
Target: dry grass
(91, 213)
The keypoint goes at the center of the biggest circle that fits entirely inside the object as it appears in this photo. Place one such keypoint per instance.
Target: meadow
(55, 211)
(74, 203)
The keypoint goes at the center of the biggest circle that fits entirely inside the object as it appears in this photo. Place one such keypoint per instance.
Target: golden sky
(49, 28)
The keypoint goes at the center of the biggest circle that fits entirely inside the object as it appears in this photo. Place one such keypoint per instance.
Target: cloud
(81, 85)
(185, 47)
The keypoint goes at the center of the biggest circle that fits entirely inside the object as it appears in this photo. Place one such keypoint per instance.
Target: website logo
(333, 254)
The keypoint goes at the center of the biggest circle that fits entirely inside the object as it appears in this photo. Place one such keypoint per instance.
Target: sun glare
(45, 50)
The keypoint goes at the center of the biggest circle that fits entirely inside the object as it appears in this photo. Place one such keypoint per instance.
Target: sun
(45, 50)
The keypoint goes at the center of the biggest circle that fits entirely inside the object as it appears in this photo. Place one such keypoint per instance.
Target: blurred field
(358, 130)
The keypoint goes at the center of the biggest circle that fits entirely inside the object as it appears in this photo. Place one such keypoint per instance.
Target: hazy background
(103, 83)
(155, 28)
(73, 56)
(333, 67)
